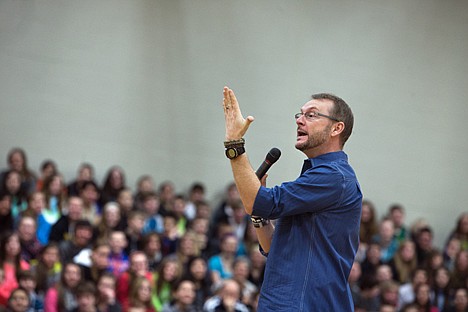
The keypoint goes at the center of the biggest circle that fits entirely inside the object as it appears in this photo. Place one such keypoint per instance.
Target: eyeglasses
(312, 115)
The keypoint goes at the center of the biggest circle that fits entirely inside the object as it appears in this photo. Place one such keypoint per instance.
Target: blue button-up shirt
(316, 237)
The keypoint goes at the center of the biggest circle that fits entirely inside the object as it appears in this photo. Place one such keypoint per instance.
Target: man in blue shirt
(312, 246)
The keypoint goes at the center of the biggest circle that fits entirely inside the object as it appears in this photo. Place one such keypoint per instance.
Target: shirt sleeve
(315, 190)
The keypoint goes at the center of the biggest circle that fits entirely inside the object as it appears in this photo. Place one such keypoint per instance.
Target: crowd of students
(398, 268)
(85, 246)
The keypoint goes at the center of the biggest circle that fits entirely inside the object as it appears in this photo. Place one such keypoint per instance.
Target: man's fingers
(232, 98)
(247, 123)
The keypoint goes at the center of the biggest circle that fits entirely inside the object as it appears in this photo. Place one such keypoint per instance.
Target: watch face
(231, 153)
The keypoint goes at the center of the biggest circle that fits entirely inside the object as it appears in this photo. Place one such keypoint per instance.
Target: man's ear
(338, 128)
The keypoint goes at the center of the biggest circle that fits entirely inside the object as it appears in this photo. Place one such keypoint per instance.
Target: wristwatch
(233, 152)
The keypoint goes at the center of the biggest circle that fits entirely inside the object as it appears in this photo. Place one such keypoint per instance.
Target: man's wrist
(259, 222)
(234, 143)
(234, 148)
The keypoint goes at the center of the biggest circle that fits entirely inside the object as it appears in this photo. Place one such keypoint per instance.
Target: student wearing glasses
(311, 248)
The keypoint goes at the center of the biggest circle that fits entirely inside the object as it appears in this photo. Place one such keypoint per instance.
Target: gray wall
(139, 83)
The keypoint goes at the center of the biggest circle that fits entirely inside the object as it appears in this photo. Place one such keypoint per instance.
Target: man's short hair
(340, 111)
(83, 224)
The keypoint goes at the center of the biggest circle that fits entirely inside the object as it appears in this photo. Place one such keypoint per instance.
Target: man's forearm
(265, 234)
(246, 181)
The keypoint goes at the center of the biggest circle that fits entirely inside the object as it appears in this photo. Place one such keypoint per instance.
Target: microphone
(272, 156)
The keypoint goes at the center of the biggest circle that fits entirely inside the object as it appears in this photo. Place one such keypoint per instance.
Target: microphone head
(273, 155)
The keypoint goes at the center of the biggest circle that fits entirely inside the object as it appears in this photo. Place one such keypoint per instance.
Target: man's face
(75, 208)
(83, 236)
(72, 275)
(313, 133)
(27, 229)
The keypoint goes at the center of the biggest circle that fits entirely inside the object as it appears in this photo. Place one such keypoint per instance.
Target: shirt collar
(324, 158)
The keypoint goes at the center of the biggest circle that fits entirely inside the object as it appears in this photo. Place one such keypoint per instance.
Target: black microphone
(272, 156)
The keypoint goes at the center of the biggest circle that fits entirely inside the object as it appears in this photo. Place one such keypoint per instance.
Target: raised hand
(236, 124)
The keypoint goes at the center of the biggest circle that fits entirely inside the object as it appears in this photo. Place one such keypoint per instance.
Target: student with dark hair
(424, 240)
(460, 301)
(422, 298)
(27, 280)
(441, 292)
(82, 238)
(11, 263)
(460, 272)
(86, 297)
(136, 221)
(90, 194)
(48, 268)
(18, 197)
(62, 296)
(85, 173)
(166, 195)
(150, 244)
(198, 273)
(127, 204)
(170, 237)
(113, 184)
(48, 168)
(55, 196)
(461, 231)
(183, 294)
(17, 161)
